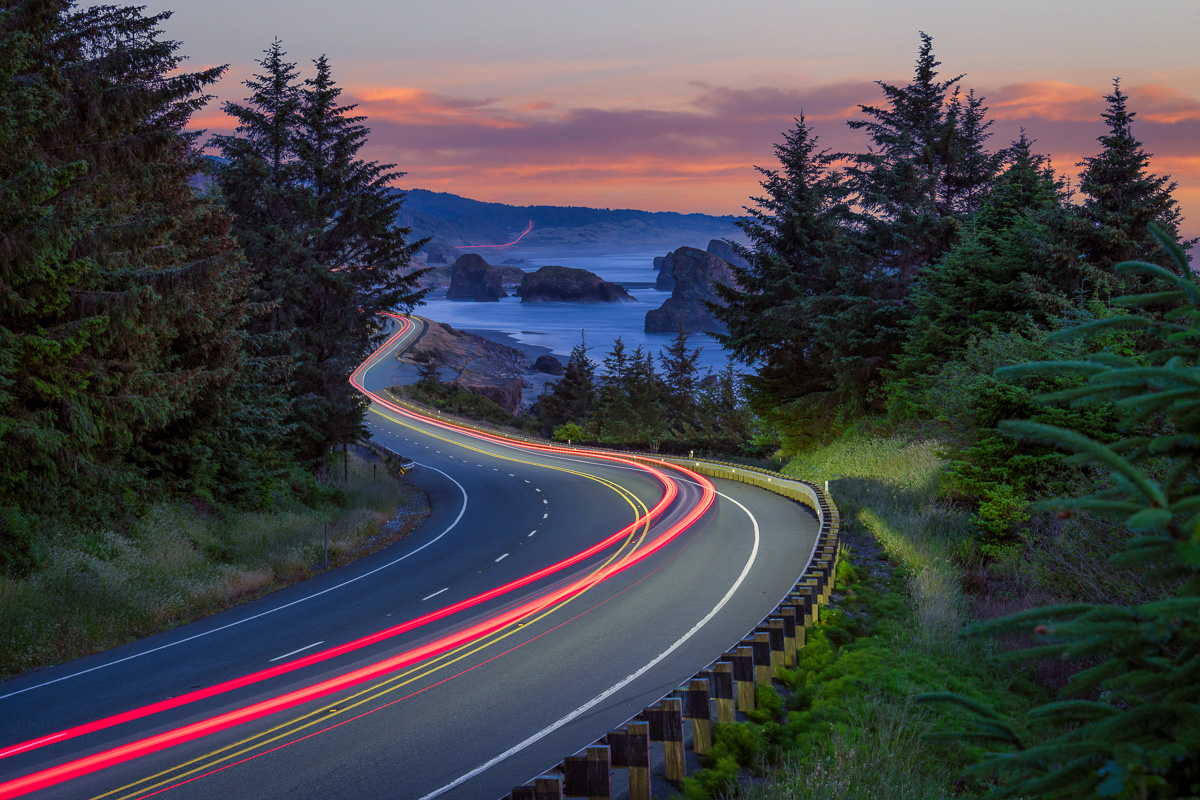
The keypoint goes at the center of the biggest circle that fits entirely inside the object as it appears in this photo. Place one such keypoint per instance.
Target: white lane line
(545, 502)
(380, 568)
(600, 698)
(537, 490)
(531, 533)
(301, 650)
(525, 480)
(435, 594)
(501, 558)
(544, 516)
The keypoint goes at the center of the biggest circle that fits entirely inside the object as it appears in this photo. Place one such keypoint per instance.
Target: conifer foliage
(1130, 723)
(316, 222)
(120, 288)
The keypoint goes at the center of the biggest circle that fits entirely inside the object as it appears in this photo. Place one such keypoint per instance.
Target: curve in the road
(661, 517)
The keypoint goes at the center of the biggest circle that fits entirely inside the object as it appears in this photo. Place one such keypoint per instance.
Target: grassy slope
(847, 726)
(176, 564)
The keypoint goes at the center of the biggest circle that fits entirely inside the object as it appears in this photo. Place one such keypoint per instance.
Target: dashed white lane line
(544, 516)
(536, 489)
(545, 502)
(501, 558)
(526, 480)
(531, 533)
(301, 650)
(435, 594)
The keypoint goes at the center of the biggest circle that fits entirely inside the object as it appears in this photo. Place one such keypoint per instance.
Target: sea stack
(695, 274)
(472, 278)
(569, 285)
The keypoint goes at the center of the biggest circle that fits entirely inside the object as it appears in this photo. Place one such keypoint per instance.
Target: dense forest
(160, 342)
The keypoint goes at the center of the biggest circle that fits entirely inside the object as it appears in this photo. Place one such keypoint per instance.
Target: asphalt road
(471, 702)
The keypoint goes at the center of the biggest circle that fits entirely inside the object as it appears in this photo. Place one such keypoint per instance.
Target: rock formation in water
(547, 364)
(722, 250)
(666, 273)
(570, 285)
(472, 278)
(695, 272)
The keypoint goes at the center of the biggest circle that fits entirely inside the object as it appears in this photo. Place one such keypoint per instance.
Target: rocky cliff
(695, 273)
(569, 285)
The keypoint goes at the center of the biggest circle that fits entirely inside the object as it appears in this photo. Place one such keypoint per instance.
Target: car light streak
(107, 758)
(510, 244)
(117, 755)
(343, 705)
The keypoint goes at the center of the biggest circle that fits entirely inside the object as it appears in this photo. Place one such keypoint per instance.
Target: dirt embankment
(480, 365)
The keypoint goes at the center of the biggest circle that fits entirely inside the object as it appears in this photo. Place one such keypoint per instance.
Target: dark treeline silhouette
(156, 341)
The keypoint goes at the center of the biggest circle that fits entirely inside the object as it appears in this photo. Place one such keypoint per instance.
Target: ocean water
(557, 326)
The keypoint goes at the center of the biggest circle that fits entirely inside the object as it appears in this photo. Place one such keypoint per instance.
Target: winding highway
(550, 595)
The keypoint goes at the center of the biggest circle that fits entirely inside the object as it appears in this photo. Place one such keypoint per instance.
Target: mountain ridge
(453, 223)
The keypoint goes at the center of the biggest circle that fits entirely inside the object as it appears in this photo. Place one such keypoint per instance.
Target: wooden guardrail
(726, 685)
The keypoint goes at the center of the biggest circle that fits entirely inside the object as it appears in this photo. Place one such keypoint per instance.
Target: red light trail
(510, 244)
(132, 750)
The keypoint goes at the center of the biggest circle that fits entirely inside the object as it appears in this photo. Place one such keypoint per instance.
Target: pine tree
(797, 257)
(1122, 196)
(570, 399)
(982, 283)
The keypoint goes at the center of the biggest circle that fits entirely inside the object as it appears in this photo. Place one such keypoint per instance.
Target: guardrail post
(743, 673)
(722, 679)
(631, 751)
(787, 612)
(672, 720)
(762, 658)
(700, 714)
(589, 775)
(775, 631)
(545, 787)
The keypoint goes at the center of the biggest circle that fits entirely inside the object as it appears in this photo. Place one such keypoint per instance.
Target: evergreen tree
(982, 283)
(680, 378)
(570, 399)
(122, 288)
(915, 181)
(1122, 196)
(317, 224)
(797, 257)
(1127, 725)
(613, 412)
(647, 420)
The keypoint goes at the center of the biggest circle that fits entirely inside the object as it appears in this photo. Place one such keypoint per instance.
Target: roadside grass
(847, 725)
(178, 563)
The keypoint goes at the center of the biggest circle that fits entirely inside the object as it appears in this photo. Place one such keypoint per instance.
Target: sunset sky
(668, 104)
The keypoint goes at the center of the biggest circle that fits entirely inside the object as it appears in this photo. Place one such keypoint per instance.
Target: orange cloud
(1050, 100)
(410, 106)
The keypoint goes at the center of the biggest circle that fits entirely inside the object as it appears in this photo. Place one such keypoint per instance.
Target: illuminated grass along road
(549, 595)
